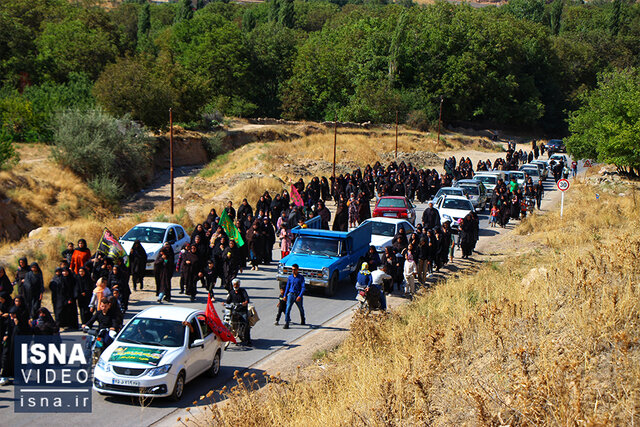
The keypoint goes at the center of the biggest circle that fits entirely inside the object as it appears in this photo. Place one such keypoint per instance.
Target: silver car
(476, 191)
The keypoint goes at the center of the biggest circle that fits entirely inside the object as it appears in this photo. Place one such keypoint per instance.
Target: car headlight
(447, 218)
(160, 370)
(103, 365)
(325, 272)
(280, 268)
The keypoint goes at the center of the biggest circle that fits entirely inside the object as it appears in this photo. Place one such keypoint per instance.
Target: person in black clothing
(341, 220)
(85, 287)
(191, 271)
(163, 271)
(5, 283)
(244, 210)
(69, 318)
(44, 324)
(269, 239)
(21, 273)
(210, 276)
(57, 294)
(18, 324)
(231, 212)
(107, 318)
(138, 262)
(430, 217)
(239, 296)
(33, 289)
(68, 253)
(231, 264)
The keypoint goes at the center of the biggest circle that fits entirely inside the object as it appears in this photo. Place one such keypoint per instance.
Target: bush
(7, 152)
(107, 188)
(419, 120)
(214, 145)
(102, 148)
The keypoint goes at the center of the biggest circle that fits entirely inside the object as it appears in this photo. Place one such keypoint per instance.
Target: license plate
(389, 214)
(117, 381)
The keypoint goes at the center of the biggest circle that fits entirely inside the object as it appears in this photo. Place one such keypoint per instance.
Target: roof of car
(451, 188)
(156, 224)
(392, 197)
(168, 312)
(469, 181)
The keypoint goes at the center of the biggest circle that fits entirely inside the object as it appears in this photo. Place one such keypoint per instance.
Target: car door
(181, 236)
(211, 340)
(196, 360)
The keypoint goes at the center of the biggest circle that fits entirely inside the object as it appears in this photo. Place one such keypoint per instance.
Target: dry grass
(550, 337)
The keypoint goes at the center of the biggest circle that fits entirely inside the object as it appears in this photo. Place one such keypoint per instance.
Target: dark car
(556, 146)
(395, 207)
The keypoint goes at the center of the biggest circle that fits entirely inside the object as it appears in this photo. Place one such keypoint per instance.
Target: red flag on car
(295, 196)
(215, 324)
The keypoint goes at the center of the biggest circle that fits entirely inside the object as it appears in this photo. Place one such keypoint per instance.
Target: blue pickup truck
(326, 257)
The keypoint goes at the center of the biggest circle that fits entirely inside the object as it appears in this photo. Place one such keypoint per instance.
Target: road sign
(563, 184)
(587, 163)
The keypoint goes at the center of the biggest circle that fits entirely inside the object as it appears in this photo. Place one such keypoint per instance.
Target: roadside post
(563, 185)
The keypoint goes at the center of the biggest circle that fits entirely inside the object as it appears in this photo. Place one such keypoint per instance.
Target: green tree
(274, 10)
(614, 18)
(71, 46)
(8, 154)
(533, 10)
(185, 11)
(108, 152)
(607, 126)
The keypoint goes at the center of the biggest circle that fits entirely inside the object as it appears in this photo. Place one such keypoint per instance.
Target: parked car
(556, 146)
(544, 168)
(383, 230)
(532, 170)
(152, 236)
(155, 354)
(451, 191)
(477, 192)
(489, 179)
(395, 207)
(558, 157)
(452, 208)
(518, 176)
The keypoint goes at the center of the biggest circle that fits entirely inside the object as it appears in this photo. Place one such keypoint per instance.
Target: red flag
(295, 196)
(215, 324)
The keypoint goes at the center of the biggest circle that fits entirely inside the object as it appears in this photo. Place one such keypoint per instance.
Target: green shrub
(8, 154)
(214, 145)
(107, 188)
(110, 152)
(419, 120)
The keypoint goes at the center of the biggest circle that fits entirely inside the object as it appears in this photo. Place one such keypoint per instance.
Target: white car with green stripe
(156, 354)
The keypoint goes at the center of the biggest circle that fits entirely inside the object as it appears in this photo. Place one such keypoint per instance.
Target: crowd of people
(84, 283)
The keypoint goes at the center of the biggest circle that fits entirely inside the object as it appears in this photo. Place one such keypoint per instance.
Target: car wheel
(332, 286)
(178, 389)
(214, 369)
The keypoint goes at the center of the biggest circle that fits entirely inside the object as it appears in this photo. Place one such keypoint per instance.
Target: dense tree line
(522, 65)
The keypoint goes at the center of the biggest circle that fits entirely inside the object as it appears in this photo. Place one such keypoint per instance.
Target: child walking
(282, 305)
(494, 216)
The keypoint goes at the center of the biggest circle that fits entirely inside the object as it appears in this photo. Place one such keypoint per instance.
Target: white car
(152, 236)
(518, 176)
(155, 355)
(452, 208)
(558, 157)
(383, 230)
(489, 179)
(543, 165)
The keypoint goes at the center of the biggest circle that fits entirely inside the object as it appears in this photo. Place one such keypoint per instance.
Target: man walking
(293, 292)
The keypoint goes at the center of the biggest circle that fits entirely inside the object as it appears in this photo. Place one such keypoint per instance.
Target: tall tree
(286, 14)
(144, 25)
(556, 15)
(607, 126)
(614, 18)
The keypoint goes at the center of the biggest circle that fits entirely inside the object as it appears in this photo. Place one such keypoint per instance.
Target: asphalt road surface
(262, 288)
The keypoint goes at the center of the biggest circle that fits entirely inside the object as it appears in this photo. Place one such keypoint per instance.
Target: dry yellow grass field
(548, 336)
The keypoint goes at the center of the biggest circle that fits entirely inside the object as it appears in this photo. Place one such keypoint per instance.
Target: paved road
(263, 291)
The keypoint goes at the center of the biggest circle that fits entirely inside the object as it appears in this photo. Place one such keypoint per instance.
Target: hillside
(544, 333)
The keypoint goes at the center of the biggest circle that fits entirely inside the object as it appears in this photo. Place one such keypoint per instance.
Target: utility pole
(439, 122)
(171, 154)
(396, 134)
(335, 142)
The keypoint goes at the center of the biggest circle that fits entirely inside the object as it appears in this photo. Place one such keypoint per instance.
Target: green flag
(230, 228)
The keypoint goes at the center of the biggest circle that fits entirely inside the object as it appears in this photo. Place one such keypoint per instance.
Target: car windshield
(155, 332)
(486, 179)
(516, 175)
(470, 189)
(531, 171)
(144, 234)
(450, 192)
(383, 229)
(315, 246)
(457, 204)
(391, 203)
